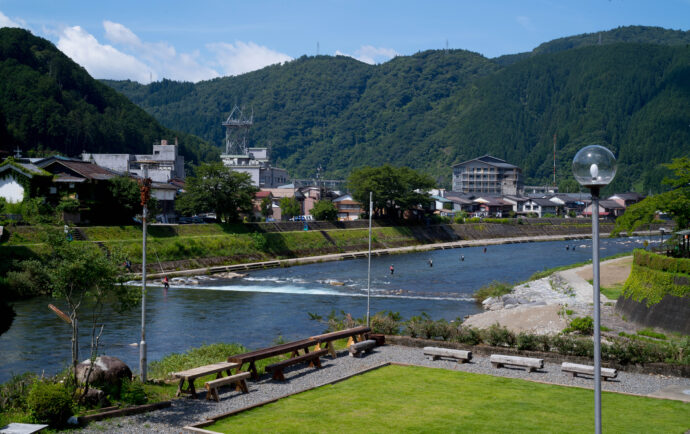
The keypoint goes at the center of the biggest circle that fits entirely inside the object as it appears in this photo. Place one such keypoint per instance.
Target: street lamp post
(145, 190)
(594, 167)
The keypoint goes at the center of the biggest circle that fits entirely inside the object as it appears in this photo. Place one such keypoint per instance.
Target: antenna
(317, 48)
(554, 159)
(446, 44)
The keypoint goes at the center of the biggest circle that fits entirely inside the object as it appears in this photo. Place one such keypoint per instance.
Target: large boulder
(107, 371)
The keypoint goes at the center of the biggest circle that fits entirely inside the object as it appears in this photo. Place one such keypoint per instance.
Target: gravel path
(187, 411)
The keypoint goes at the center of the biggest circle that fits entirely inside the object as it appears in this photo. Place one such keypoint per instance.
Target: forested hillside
(436, 108)
(49, 104)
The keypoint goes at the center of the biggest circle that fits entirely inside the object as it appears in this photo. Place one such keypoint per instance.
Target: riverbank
(546, 305)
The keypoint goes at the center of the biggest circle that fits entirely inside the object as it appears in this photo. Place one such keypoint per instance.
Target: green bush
(467, 335)
(13, 393)
(652, 334)
(571, 346)
(498, 336)
(583, 325)
(493, 289)
(49, 403)
(420, 326)
(387, 323)
(132, 392)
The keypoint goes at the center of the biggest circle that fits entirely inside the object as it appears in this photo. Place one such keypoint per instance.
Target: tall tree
(395, 189)
(289, 207)
(217, 188)
(675, 202)
(324, 210)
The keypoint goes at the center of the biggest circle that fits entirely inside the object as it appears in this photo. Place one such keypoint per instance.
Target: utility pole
(371, 205)
(145, 190)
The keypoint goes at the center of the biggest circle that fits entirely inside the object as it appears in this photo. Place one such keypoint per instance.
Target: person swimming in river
(392, 270)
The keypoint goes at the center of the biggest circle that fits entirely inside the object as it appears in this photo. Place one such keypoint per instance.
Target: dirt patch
(533, 319)
(613, 272)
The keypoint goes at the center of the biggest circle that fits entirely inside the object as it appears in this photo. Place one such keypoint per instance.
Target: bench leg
(252, 369)
(461, 361)
(331, 350)
(316, 363)
(497, 365)
(278, 375)
(242, 387)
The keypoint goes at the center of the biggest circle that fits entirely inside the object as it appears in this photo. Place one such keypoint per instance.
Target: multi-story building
(487, 175)
(164, 164)
(255, 163)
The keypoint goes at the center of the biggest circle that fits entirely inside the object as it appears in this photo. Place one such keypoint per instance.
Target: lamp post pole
(594, 167)
(597, 304)
(145, 192)
(371, 205)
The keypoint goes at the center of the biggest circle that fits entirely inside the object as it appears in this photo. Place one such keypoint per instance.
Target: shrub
(582, 325)
(467, 335)
(132, 392)
(13, 393)
(49, 403)
(443, 329)
(387, 323)
(420, 326)
(498, 336)
(493, 289)
(571, 346)
(652, 334)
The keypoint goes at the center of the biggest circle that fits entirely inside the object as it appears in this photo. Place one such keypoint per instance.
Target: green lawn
(415, 399)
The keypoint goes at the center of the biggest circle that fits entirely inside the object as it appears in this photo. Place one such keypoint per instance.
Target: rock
(73, 420)
(96, 397)
(107, 370)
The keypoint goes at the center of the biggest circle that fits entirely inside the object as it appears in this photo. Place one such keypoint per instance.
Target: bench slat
(314, 359)
(498, 360)
(575, 368)
(213, 385)
(460, 355)
(361, 347)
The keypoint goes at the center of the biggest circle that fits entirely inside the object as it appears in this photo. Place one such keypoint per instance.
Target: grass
(415, 399)
(493, 289)
(549, 271)
(612, 292)
(652, 334)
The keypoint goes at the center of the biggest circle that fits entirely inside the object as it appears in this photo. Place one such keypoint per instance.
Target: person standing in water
(392, 270)
(166, 283)
(462, 258)
(431, 263)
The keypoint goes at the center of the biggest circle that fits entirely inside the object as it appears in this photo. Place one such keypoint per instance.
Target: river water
(265, 304)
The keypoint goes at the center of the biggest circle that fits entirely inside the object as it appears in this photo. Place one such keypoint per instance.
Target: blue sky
(199, 40)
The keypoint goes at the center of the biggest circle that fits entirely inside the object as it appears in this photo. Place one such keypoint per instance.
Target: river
(265, 304)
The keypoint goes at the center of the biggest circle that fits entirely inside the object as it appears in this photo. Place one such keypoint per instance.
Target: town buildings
(487, 175)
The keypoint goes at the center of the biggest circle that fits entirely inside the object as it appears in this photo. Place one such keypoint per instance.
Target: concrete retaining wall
(671, 313)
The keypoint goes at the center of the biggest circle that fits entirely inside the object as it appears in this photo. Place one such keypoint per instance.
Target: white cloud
(242, 57)
(119, 34)
(370, 54)
(5, 21)
(102, 61)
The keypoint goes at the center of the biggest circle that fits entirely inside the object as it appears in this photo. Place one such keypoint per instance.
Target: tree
(324, 210)
(676, 202)
(395, 189)
(289, 207)
(86, 280)
(219, 189)
(126, 202)
(266, 207)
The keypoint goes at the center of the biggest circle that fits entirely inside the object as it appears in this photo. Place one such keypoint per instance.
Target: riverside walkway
(377, 252)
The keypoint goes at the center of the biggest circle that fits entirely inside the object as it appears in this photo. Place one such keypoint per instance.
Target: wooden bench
(530, 363)
(435, 353)
(575, 369)
(356, 350)
(313, 358)
(354, 335)
(238, 379)
(292, 348)
(192, 374)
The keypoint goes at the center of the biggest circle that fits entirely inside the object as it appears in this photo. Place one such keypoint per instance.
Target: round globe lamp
(594, 167)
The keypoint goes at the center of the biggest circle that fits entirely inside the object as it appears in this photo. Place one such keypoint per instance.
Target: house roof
(162, 186)
(349, 202)
(490, 160)
(63, 177)
(492, 201)
(262, 194)
(27, 169)
(542, 201)
(281, 192)
(83, 168)
(441, 199)
(610, 204)
(628, 196)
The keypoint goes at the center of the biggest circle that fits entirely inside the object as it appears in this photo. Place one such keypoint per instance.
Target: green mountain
(428, 111)
(48, 103)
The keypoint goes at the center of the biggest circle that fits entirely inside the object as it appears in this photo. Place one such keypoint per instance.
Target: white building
(163, 164)
(256, 164)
